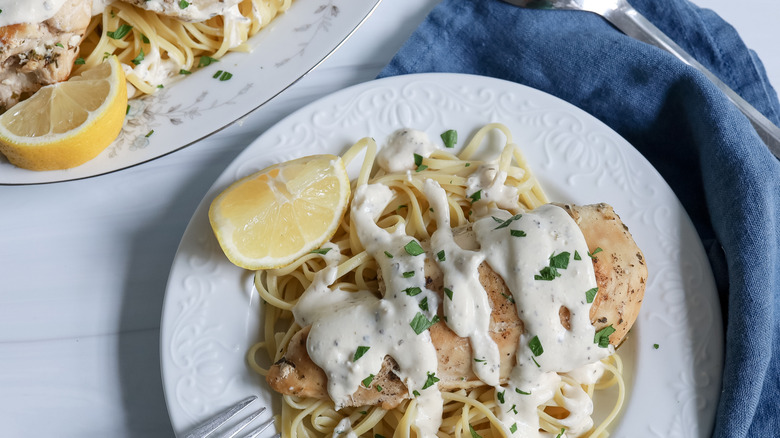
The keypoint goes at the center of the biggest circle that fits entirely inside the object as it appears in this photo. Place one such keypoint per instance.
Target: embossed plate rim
(211, 316)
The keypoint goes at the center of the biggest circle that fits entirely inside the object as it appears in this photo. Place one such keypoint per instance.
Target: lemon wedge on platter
(272, 217)
(66, 124)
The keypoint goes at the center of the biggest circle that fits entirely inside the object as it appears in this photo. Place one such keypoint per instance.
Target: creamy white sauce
(154, 69)
(383, 323)
(98, 6)
(491, 183)
(28, 11)
(197, 10)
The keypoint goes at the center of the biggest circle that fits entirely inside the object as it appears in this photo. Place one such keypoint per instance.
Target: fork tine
(207, 427)
(259, 429)
(243, 424)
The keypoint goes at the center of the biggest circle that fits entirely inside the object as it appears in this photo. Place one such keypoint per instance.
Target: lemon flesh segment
(271, 218)
(66, 124)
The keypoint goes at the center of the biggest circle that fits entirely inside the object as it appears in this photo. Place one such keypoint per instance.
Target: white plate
(211, 313)
(193, 108)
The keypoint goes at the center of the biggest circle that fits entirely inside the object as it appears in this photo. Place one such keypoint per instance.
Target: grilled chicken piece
(196, 10)
(36, 54)
(621, 275)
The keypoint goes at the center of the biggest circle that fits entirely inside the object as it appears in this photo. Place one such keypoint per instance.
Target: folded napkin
(703, 146)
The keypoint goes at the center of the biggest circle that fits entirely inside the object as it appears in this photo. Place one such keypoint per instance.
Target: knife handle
(633, 24)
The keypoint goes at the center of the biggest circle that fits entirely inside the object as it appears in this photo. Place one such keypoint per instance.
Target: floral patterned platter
(190, 109)
(673, 356)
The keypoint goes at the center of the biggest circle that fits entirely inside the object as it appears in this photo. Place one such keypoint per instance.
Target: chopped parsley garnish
(513, 409)
(480, 361)
(517, 233)
(363, 412)
(590, 294)
(388, 255)
(79, 61)
(120, 32)
(561, 434)
(440, 255)
(548, 273)
(412, 291)
(138, 59)
(418, 159)
(505, 223)
(577, 256)
(216, 75)
(474, 433)
(513, 428)
(60, 45)
(401, 206)
(450, 138)
(602, 336)
(430, 380)
(595, 251)
(476, 196)
(500, 396)
(448, 292)
(161, 86)
(106, 55)
(424, 304)
(321, 250)
(183, 4)
(378, 388)
(420, 323)
(537, 363)
(225, 76)
(416, 393)
(468, 164)
(145, 39)
(360, 352)
(413, 248)
(560, 261)
(127, 110)
(519, 391)
(149, 134)
(185, 72)
(408, 274)
(367, 381)
(206, 60)
(536, 346)
(656, 346)
(508, 297)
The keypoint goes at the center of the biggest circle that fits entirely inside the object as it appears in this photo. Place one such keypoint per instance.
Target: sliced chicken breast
(621, 275)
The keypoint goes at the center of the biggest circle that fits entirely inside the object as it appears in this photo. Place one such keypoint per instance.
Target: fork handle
(633, 24)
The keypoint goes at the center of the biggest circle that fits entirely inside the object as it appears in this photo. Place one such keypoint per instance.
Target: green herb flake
(378, 388)
(413, 248)
(185, 72)
(536, 346)
(388, 255)
(367, 381)
(183, 4)
(535, 362)
(468, 164)
(513, 428)
(560, 261)
(420, 168)
(517, 233)
(145, 39)
(138, 59)
(656, 346)
(363, 412)
(476, 196)
(216, 75)
(602, 336)
(577, 256)
(416, 393)
(360, 352)
(595, 251)
(127, 110)
(120, 32)
(225, 76)
(500, 396)
(441, 256)
(448, 292)
(430, 380)
(161, 86)
(450, 138)
(418, 159)
(508, 297)
(590, 294)
(79, 61)
(412, 291)
(474, 433)
(420, 323)
(206, 60)
(505, 223)
(563, 430)
(106, 55)
(519, 391)
(320, 251)
(548, 273)
(401, 206)
(408, 274)
(424, 304)
(480, 361)
(513, 409)
(59, 45)
(149, 134)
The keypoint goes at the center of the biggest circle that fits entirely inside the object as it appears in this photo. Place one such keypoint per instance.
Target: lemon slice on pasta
(270, 218)
(66, 124)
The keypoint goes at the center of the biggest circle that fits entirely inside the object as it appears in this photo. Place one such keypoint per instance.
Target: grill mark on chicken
(36, 54)
(620, 275)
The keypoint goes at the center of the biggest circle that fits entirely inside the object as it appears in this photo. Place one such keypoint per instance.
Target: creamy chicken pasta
(157, 41)
(454, 300)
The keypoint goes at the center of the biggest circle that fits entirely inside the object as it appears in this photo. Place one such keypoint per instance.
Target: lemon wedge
(270, 218)
(66, 124)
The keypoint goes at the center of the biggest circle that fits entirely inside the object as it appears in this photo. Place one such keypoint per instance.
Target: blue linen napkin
(703, 146)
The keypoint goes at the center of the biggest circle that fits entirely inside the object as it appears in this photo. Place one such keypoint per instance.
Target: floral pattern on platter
(193, 108)
(576, 158)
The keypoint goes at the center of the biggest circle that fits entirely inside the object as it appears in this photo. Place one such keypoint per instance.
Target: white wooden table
(84, 264)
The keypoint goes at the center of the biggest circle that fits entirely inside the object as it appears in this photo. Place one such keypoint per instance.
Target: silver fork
(209, 426)
(628, 20)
